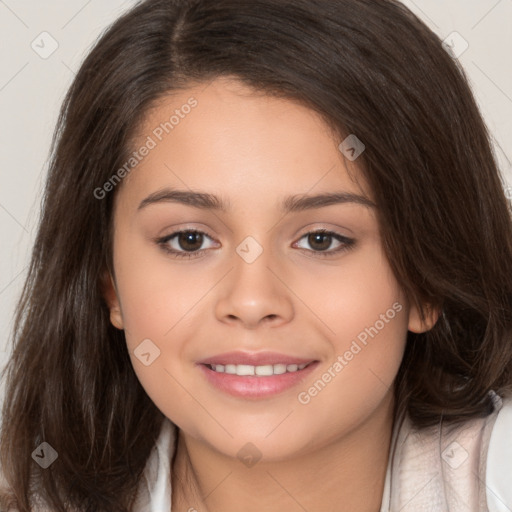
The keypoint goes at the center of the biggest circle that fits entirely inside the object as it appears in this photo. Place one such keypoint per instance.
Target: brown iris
(317, 238)
(190, 241)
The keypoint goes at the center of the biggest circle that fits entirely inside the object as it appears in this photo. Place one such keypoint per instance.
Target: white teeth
(230, 368)
(263, 371)
(244, 369)
(279, 369)
(266, 370)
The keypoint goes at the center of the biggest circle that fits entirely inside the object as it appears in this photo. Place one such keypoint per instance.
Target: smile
(256, 381)
(262, 371)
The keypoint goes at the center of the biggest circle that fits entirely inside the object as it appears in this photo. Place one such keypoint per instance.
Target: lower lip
(256, 387)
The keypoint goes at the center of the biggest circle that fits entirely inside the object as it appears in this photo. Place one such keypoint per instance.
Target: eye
(322, 240)
(188, 243)
(184, 244)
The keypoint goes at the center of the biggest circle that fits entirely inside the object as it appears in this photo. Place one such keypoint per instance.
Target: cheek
(353, 295)
(366, 315)
(156, 293)
(157, 306)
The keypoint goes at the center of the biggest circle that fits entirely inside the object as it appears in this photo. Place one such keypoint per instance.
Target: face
(307, 284)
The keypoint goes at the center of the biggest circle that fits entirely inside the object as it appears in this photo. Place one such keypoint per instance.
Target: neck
(345, 474)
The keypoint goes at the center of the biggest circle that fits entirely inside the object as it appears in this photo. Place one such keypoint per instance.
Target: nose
(254, 294)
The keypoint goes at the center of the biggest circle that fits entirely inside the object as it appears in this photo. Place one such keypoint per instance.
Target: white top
(458, 468)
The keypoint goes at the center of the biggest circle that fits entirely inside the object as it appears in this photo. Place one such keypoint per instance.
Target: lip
(255, 387)
(254, 358)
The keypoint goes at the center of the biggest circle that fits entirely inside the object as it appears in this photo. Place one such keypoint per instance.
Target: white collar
(156, 492)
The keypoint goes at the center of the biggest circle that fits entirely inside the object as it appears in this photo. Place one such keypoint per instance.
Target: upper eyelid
(186, 230)
(174, 234)
(333, 234)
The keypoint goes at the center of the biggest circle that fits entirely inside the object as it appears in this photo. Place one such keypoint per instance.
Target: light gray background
(32, 89)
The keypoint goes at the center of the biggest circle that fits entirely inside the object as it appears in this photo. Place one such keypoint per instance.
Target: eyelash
(347, 243)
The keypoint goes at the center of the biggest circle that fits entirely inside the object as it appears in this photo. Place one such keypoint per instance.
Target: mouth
(255, 376)
(267, 370)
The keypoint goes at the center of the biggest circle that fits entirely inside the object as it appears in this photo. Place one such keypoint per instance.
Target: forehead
(229, 139)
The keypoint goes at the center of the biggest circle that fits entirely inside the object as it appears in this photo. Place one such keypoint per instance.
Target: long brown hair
(443, 215)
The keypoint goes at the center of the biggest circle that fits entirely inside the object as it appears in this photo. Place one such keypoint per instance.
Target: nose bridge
(253, 294)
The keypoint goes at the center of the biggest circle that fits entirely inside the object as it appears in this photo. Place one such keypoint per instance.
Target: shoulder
(453, 466)
(499, 461)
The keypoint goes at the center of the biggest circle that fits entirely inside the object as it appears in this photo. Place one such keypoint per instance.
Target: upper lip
(254, 358)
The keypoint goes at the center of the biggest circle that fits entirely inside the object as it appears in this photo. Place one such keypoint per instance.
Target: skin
(328, 454)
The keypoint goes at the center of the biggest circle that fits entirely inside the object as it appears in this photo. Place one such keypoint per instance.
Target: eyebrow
(295, 203)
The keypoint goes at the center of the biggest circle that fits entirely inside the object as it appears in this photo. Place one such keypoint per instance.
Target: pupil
(187, 239)
(314, 238)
